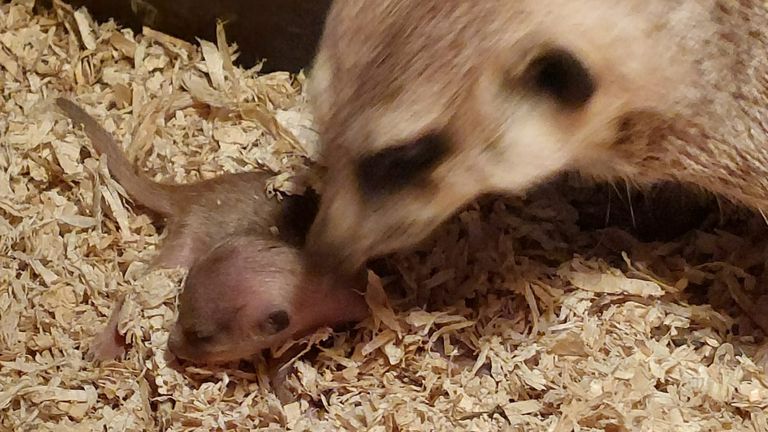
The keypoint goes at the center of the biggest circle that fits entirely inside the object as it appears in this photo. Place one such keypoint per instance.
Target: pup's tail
(149, 193)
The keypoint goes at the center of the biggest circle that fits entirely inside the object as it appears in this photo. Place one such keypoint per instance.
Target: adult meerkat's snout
(423, 106)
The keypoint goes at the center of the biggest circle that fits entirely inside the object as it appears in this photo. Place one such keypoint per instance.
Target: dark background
(284, 32)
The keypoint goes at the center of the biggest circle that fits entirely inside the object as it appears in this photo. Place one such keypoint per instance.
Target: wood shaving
(511, 318)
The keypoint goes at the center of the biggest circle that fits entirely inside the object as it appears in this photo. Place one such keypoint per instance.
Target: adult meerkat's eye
(558, 73)
(394, 168)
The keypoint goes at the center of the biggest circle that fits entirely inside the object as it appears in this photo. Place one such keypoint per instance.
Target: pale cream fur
(681, 95)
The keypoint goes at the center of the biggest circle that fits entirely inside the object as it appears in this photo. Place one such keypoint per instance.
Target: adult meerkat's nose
(331, 251)
(336, 242)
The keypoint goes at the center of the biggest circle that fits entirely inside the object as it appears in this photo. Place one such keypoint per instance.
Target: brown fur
(681, 95)
(240, 274)
(200, 215)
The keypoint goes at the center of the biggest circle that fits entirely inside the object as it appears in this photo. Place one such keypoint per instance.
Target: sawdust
(511, 318)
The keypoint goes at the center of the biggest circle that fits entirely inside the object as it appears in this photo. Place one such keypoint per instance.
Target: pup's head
(249, 294)
(424, 105)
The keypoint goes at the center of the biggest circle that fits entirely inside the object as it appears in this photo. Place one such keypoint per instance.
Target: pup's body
(425, 105)
(200, 215)
(246, 289)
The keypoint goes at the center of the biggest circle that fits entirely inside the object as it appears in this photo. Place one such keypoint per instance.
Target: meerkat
(247, 288)
(422, 106)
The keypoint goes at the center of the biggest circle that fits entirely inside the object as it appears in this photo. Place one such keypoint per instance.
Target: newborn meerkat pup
(424, 105)
(246, 289)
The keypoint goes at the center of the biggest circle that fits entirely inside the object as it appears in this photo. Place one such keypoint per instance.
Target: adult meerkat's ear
(317, 85)
(556, 73)
(560, 74)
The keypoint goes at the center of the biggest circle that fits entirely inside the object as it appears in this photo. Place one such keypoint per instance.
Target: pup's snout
(176, 343)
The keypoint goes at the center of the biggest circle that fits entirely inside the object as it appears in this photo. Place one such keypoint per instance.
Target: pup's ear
(179, 250)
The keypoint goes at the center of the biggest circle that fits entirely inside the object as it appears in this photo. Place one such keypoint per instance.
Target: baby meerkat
(247, 288)
(423, 106)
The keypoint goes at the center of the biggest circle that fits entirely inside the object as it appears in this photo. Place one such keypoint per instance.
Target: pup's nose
(176, 342)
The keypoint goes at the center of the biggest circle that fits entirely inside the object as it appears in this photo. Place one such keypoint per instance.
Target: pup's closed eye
(276, 322)
(394, 168)
(198, 337)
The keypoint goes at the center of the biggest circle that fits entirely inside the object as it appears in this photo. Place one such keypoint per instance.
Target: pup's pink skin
(249, 294)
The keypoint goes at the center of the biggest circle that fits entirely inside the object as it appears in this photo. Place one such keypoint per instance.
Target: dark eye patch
(558, 73)
(394, 168)
(276, 322)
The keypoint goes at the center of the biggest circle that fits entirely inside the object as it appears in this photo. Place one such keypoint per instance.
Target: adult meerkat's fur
(424, 105)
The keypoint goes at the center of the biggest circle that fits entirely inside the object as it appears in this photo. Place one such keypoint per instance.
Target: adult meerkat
(424, 105)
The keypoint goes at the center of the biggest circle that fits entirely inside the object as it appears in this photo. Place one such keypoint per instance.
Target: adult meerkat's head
(424, 105)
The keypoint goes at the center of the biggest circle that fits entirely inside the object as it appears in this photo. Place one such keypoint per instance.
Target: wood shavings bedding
(511, 318)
